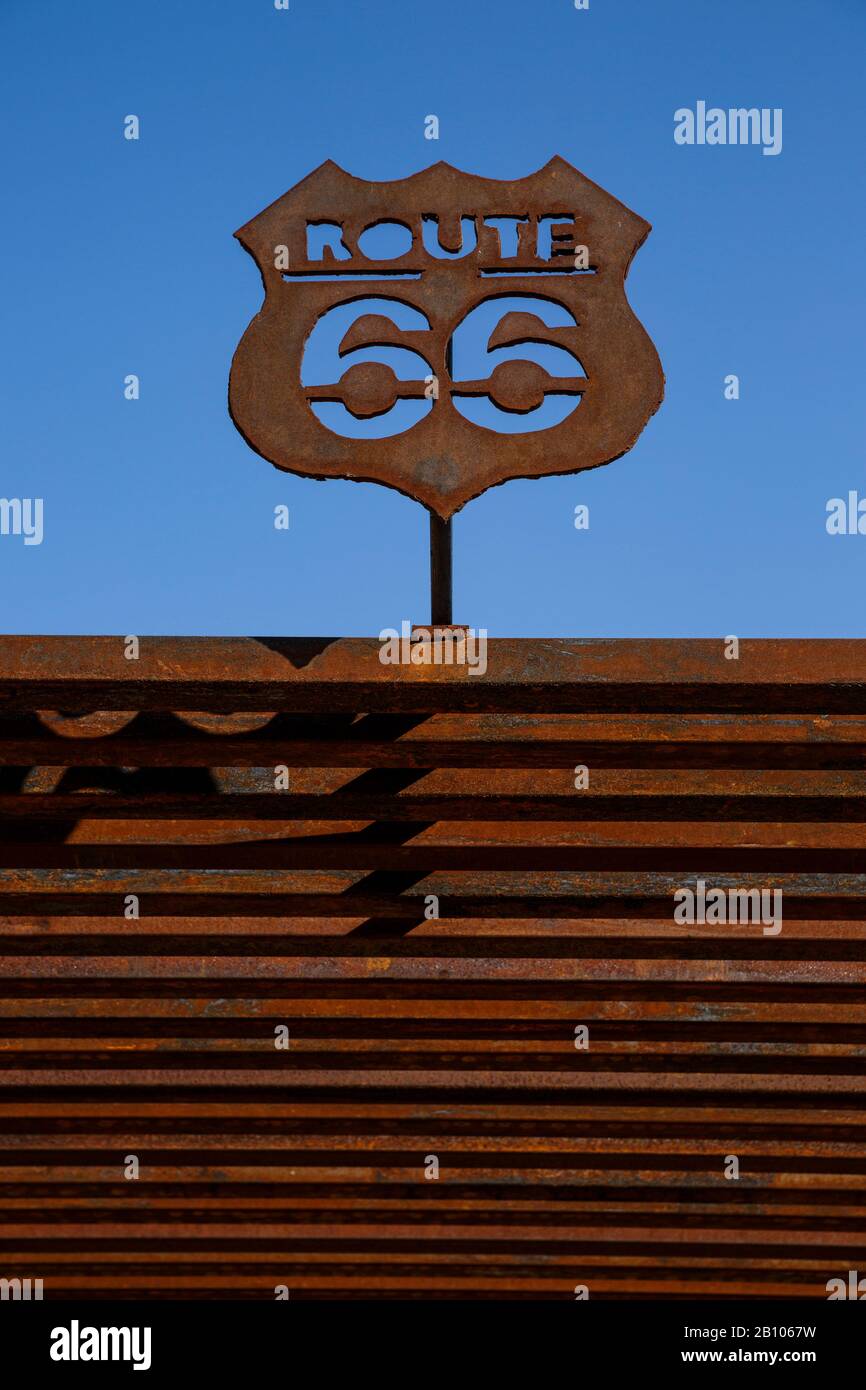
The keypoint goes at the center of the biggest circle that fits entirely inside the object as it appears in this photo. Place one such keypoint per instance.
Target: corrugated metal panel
(414, 1037)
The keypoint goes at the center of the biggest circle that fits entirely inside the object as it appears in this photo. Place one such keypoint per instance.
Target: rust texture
(554, 235)
(413, 1036)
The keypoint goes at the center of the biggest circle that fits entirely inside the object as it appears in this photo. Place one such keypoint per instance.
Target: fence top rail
(521, 660)
(308, 673)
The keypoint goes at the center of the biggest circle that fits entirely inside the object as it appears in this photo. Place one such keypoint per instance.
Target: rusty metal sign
(555, 239)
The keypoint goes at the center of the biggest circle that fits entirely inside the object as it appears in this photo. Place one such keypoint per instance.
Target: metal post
(440, 571)
(441, 579)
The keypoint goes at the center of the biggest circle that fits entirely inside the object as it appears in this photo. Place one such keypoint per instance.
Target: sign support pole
(440, 571)
(441, 550)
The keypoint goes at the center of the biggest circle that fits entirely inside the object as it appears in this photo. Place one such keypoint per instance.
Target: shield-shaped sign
(444, 255)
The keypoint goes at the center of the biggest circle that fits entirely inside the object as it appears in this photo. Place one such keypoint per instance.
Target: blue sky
(118, 257)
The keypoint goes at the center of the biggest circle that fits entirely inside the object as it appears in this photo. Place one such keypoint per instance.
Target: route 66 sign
(313, 385)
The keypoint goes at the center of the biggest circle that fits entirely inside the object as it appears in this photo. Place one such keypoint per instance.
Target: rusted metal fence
(414, 1037)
